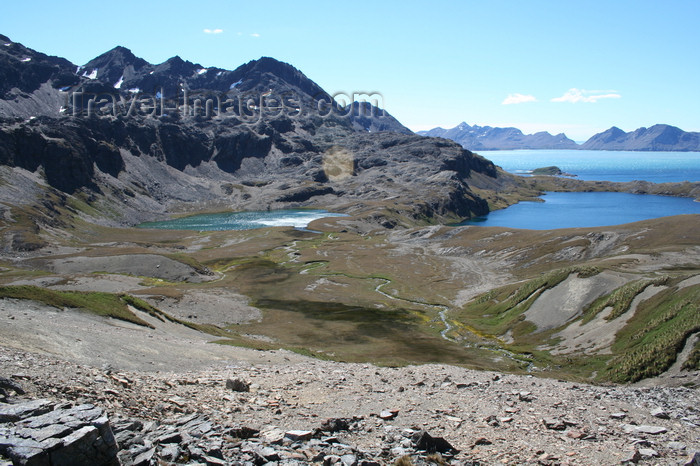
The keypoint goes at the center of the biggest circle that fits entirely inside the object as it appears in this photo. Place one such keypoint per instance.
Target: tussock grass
(191, 261)
(102, 304)
(499, 310)
(621, 299)
(650, 343)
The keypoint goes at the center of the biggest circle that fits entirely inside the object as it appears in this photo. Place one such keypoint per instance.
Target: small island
(551, 171)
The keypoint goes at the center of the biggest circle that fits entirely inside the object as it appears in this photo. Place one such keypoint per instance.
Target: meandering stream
(442, 309)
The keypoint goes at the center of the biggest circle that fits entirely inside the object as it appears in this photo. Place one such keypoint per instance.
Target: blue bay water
(298, 218)
(593, 165)
(567, 210)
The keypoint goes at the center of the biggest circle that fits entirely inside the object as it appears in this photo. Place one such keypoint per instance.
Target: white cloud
(518, 99)
(574, 95)
(255, 34)
(213, 31)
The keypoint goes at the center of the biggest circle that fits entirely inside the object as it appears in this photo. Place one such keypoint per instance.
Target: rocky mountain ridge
(138, 139)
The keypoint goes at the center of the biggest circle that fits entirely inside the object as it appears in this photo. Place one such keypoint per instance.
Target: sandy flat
(147, 265)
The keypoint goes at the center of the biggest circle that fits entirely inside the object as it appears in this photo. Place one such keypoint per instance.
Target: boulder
(39, 432)
(426, 442)
(237, 385)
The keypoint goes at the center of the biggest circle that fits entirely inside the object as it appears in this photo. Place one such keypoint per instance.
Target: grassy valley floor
(584, 304)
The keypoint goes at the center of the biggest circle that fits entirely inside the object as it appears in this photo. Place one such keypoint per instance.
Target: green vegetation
(189, 260)
(162, 316)
(621, 299)
(547, 171)
(372, 298)
(499, 310)
(649, 344)
(102, 304)
(80, 202)
(142, 305)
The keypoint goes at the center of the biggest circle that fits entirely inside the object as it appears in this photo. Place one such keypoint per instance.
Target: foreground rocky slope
(303, 411)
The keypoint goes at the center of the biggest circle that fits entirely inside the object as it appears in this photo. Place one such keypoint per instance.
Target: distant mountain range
(489, 138)
(655, 138)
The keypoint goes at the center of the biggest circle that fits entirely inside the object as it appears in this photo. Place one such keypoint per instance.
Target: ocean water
(567, 210)
(595, 165)
(298, 218)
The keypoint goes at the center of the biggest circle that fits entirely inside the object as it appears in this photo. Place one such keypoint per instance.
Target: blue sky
(577, 67)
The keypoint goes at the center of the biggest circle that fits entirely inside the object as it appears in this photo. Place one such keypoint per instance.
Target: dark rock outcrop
(38, 432)
(23, 70)
(140, 138)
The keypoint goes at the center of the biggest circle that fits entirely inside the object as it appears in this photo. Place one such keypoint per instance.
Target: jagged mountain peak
(176, 65)
(114, 66)
(120, 71)
(270, 64)
(25, 70)
(118, 51)
(177, 61)
(118, 56)
(265, 68)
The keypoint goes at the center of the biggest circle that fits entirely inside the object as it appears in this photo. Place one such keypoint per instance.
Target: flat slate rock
(39, 432)
(16, 412)
(644, 429)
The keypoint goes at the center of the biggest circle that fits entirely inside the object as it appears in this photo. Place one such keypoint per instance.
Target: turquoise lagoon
(298, 218)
